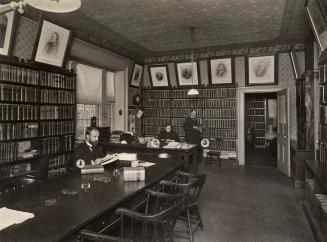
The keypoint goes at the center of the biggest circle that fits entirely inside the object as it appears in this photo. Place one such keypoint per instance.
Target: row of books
(220, 133)
(154, 112)
(182, 94)
(155, 121)
(14, 93)
(18, 112)
(256, 119)
(57, 96)
(8, 152)
(14, 170)
(220, 123)
(151, 130)
(9, 131)
(219, 93)
(17, 74)
(259, 133)
(156, 94)
(223, 145)
(183, 113)
(180, 121)
(57, 112)
(160, 103)
(256, 111)
(256, 126)
(51, 79)
(59, 160)
(323, 114)
(260, 141)
(219, 113)
(185, 103)
(205, 93)
(56, 128)
(56, 144)
(323, 154)
(220, 103)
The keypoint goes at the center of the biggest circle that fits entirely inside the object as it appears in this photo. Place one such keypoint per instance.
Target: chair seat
(213, 154)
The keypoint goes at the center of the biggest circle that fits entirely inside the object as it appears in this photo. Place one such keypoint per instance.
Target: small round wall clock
(137, 99)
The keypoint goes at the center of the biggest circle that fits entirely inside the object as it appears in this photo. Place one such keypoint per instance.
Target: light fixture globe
(55, 6)
(192, 92)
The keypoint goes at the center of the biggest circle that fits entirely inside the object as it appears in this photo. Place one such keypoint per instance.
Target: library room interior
(167, 120)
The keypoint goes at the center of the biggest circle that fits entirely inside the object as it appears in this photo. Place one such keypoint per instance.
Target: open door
(283, 133)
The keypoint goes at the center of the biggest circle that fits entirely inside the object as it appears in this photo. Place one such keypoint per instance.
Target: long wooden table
(58, 216)
(190, 155)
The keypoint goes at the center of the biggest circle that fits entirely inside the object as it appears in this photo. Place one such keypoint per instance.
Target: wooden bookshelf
(256, 119)
(37, 112)
(216, 113)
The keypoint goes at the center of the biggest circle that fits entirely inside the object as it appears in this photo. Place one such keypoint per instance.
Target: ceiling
(148, 28)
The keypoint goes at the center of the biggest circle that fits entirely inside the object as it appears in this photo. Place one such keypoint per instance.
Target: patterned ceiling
(147, 28)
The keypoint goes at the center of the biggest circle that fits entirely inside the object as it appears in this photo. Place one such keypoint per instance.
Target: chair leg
(199, 216)
(189, 225)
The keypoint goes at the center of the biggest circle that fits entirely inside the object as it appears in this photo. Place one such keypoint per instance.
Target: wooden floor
(260, 157)
(250, 204)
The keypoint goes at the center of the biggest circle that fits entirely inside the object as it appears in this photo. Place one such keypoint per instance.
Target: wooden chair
(212, 155)
(191, 186)
(156, 223)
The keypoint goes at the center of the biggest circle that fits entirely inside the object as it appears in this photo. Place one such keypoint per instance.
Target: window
(92, 100)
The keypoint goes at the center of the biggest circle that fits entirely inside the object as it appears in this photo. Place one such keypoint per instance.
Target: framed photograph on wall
(52, 44)
(221, 71)
(261, 70)
(318, 21)
(8, 25)
(187, 73)
(159, 76)
(136, 75)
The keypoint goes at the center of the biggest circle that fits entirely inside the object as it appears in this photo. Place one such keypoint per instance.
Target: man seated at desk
(89, 152)
(168, 134)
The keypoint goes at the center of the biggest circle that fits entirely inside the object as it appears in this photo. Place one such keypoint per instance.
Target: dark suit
(192, 136)
(84, 152)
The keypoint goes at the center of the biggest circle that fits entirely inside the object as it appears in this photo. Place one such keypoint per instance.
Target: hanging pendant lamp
(54, 6)
(192, 91)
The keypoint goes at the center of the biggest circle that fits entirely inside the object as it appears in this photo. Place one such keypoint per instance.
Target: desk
(70, 214)
(189, 156)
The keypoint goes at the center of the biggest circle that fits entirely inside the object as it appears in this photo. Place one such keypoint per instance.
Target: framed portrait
(52, 44)
(316, 14)
(221, 71)
(136, 75)
(187, 73)
(8, 25)
(261, 70)
(159, 76)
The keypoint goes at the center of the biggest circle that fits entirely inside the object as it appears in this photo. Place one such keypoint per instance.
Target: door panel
(283, 133)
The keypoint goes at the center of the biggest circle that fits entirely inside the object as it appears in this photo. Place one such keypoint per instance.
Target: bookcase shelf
(215, 106)
(256, 119)
(37, 112)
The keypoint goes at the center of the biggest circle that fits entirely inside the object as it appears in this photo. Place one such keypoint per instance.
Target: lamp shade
(192, 92)
(56, 6)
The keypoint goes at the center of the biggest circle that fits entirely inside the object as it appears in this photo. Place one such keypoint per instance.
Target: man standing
(89, 152)
(192, 129)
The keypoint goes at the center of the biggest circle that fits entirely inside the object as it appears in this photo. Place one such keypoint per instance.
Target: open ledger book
(109, 158)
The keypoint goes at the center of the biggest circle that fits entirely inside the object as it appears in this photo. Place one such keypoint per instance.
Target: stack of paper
(9, 217)
(127, 156)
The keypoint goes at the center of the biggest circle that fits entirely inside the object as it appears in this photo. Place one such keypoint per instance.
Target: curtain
(89, 84)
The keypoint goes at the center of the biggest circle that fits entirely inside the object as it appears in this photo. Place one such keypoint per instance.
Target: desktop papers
(9, 217)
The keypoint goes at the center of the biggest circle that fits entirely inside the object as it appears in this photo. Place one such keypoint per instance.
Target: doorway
(260, 129)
